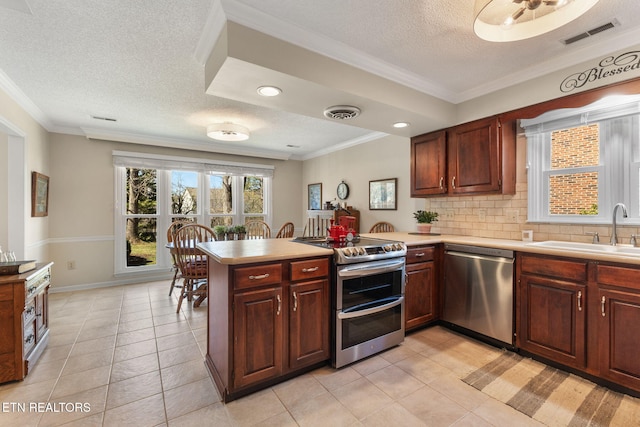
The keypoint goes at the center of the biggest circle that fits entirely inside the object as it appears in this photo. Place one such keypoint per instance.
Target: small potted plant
(220, 231)
(241, 231)
(425, 218)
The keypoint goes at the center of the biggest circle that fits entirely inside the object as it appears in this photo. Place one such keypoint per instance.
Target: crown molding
(185, 144)
(341, 146)
(216, 20)
(14, 92)
(578, 55)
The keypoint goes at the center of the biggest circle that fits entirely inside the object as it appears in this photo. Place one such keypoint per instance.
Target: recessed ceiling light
(401, 125)
(269, 91)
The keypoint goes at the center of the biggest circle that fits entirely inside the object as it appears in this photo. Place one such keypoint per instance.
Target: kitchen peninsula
(269, 309)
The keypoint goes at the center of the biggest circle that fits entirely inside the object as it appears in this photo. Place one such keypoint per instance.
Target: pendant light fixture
(511, 20)
(227, 132)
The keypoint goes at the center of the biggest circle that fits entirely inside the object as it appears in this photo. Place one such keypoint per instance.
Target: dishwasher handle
(503, 260)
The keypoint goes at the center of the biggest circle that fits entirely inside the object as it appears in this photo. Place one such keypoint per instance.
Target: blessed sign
(608, 67)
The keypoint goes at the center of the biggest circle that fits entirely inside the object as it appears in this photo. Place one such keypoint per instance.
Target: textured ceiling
(137, 62)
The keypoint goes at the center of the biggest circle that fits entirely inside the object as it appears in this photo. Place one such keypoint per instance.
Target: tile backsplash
(505, 217)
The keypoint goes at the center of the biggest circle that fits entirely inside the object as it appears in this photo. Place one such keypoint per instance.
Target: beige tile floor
(127, 359)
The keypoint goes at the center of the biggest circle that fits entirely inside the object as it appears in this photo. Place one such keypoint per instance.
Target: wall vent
(106, 119)
(592, 32)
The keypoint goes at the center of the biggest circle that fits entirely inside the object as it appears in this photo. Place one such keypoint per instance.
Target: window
(157, 190)
(582, 162)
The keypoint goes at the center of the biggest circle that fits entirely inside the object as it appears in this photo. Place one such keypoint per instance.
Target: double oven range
(367, 299)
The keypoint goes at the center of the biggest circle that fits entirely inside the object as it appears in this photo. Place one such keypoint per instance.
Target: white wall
(386, 157)
(82, 207)
(25, 149)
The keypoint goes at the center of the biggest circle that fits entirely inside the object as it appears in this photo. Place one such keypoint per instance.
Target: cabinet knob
(259, 277)
(442, 182)
(295, 301)
(453, 182)
(602, 305)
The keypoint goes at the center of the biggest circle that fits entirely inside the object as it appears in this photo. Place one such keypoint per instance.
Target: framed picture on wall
(39, 194)
(314, 193)
(382, 194)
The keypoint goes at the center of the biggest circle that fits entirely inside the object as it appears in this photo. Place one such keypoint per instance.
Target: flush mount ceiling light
(511, 20)
(227, 132)
(269, 91)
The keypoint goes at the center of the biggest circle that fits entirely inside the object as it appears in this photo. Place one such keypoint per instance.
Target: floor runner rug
(552, 396)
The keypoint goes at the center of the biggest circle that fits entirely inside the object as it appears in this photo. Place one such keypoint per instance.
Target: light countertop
(265, 250)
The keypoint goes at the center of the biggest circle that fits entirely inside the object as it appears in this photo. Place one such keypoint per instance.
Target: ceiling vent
(342, 112)
(592, 32)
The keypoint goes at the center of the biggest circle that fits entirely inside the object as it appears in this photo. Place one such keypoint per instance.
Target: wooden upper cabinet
(429, 164)
(473, 158)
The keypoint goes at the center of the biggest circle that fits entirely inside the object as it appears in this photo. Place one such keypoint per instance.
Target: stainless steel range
(367, 296)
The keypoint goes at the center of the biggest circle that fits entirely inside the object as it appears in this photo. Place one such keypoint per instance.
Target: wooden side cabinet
(420, 291)
(266, 322)
(552, 308)
(478, 157)
(24, 324)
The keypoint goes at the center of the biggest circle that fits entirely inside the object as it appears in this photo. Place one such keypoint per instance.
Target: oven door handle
(359, 313)
(370, 268)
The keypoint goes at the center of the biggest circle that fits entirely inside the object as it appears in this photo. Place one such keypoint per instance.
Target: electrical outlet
(71, 265)
(448, 215)
(482, 215)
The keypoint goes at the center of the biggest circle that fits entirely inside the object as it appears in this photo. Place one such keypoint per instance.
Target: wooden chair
(382, 227)
(171, 231)
(286, 231)
(192, 262)
(258, 230)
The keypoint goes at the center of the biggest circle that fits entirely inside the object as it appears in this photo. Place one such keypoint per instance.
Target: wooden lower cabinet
(420, 290)
(308, 323)
(618, 317)
(276, 322)
(553, 319)
(582, 314)
(258, 332)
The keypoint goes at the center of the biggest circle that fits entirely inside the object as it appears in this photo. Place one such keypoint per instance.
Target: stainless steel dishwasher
(478, 291)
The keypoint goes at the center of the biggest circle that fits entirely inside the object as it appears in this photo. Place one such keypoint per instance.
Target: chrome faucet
(614, 231)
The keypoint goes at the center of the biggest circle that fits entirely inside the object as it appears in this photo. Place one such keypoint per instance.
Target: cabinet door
(258, 332)
(473, 156)
(552, 319)
(619, 316)
(429, 164)
(308, 323)
(42, 315)
(420, 295)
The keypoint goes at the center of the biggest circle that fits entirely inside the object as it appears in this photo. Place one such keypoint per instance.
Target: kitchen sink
(622, 250)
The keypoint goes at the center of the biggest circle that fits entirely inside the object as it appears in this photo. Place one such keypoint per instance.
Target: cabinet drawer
(29, 311)
(619, 276)
(29, 337)
(555, 267)
(420, 254)
(259, 275)
(309, 269)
